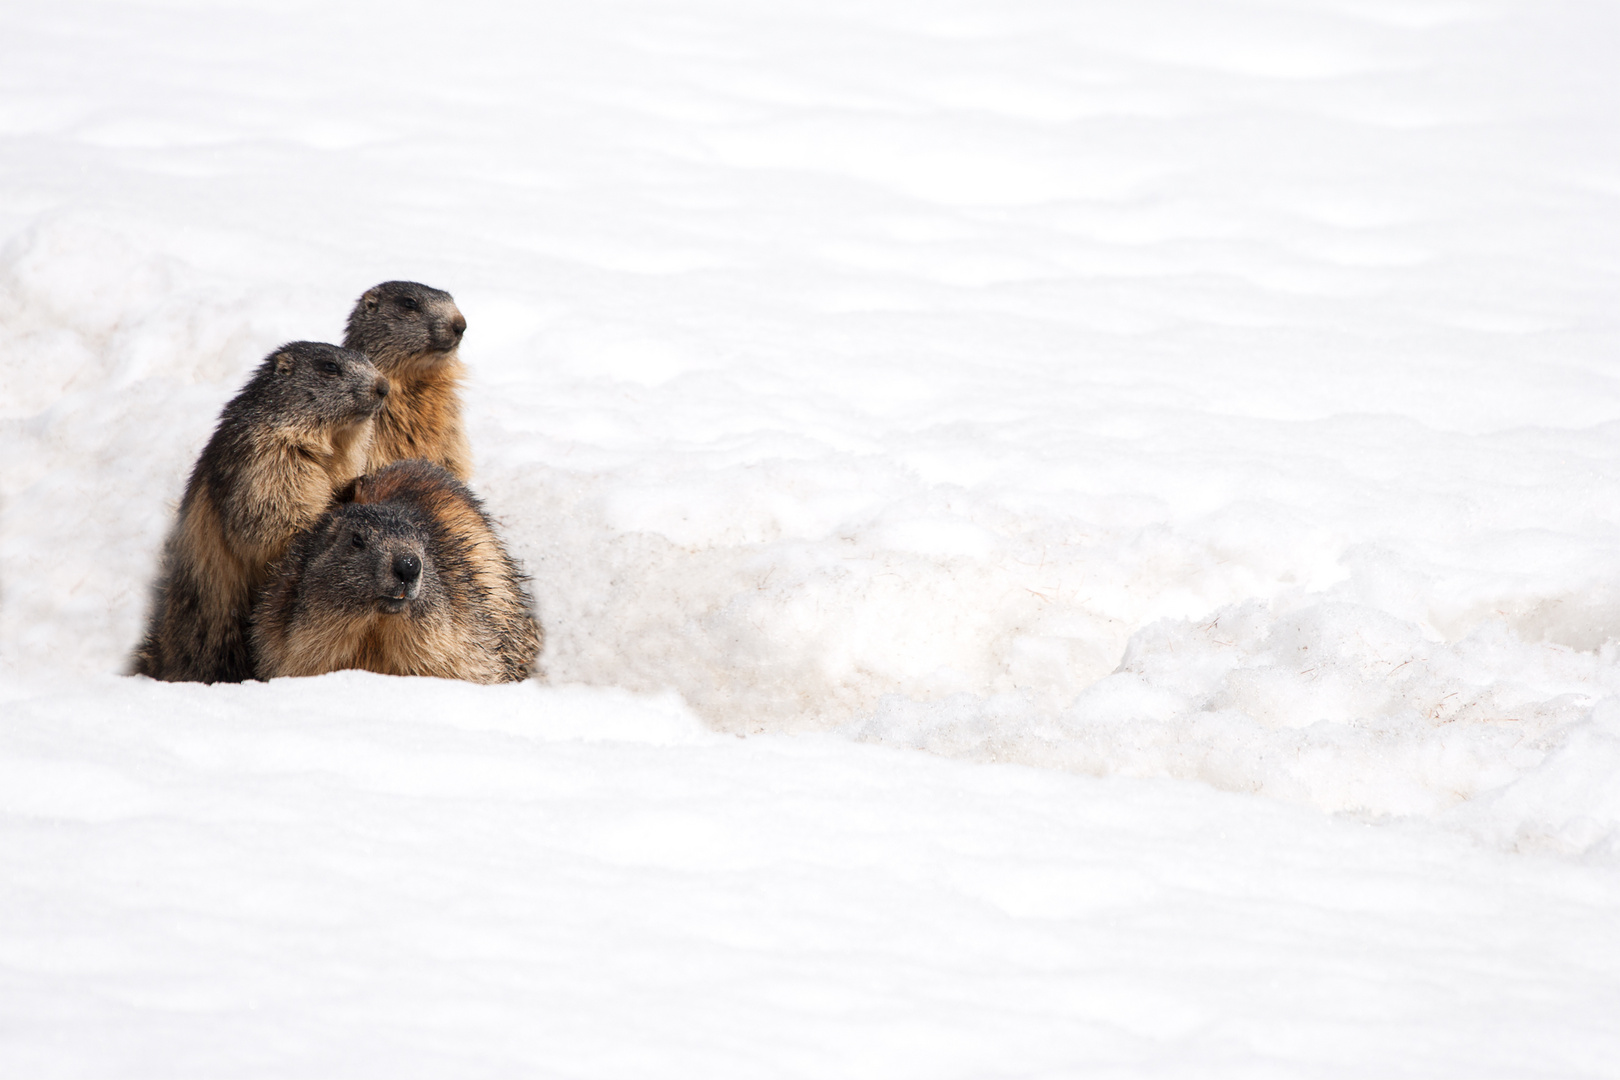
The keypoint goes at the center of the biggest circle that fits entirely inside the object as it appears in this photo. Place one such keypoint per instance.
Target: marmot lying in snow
(403, 576)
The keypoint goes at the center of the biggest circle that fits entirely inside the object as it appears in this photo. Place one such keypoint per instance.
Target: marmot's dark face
(324, 386)
(401, 324)
(372, 559)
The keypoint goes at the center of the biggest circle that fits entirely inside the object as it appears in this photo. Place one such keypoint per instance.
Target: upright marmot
(404, 576)
(298, 430)
(412, 333)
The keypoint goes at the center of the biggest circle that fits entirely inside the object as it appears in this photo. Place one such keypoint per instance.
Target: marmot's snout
(401, 580)
(447, 329)
(407, 575)
(370, 398)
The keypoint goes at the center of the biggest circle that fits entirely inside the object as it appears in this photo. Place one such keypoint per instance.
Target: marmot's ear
(353, 491)
(285, 362)
(370, 300)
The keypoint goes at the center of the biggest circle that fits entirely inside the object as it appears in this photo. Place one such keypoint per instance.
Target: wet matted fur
(403, 576)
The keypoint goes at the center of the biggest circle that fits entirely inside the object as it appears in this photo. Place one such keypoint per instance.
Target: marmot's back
(403, 576)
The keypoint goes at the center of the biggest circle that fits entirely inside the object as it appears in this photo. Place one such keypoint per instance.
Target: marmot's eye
(331, 367)
(408, 303)
(358, 541)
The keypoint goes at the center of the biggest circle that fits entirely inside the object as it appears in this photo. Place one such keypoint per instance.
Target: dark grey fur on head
(398, 322)
(303, 384)
(362, 559)
(316, 385)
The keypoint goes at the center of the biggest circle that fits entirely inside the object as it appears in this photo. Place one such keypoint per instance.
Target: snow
(1193, 424)
(471, 881)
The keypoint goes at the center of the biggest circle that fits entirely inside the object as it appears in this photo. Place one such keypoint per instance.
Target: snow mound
(1337, 705)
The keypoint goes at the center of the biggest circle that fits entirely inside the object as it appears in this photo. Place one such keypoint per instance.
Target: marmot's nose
(458, 325)
(407, 568)
(382, 386)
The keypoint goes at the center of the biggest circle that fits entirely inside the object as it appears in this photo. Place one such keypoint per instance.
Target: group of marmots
(327, 526)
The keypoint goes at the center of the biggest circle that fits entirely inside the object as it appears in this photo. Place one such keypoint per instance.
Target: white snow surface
(1195, 423)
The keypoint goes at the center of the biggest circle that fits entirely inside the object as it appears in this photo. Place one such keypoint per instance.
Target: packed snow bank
(1336, 705)
(367, 876)
(1162, 393)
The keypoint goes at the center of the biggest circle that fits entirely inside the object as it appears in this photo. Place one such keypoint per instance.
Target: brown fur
(413, 334)
(292, 435)
(427, 423)
(331, 604)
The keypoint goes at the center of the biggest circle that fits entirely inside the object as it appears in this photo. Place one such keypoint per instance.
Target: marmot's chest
(394, 645)
(417, 419)
(372, 652)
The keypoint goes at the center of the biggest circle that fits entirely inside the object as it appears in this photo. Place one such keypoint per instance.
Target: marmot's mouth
(391, 605)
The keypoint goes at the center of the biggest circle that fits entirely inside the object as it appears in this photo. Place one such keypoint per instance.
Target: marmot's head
(403, 324)
(370, 559)
(317, 386)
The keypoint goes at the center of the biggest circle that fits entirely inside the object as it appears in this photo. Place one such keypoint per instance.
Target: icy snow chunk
(1568, 804)
(1338, 705)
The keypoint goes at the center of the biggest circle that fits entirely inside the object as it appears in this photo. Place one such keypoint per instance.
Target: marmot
(298, 430)
(412, 332)
(403, 576)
